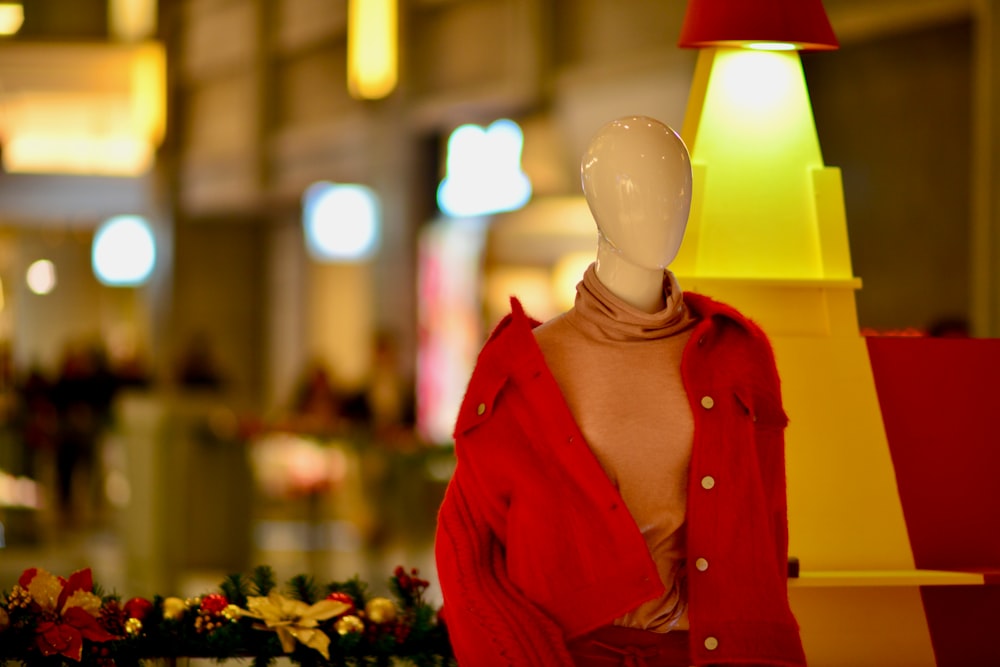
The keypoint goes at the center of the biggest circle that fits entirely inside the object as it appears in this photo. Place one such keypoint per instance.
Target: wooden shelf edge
(856, 578)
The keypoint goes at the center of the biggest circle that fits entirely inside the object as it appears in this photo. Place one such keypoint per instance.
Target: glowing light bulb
(771, 46)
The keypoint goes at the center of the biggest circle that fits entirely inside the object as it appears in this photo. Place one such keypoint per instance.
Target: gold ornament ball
(133, 626)
(174, 608)
(232, 612)
(4, 619)
(381, 610)
(350, 624)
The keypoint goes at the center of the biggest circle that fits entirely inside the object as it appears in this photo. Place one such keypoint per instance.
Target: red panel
(963, 621)
(940, 402)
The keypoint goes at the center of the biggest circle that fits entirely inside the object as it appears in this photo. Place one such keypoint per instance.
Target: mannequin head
(637, 180)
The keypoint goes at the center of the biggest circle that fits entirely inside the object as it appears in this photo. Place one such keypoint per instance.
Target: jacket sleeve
(490, 622)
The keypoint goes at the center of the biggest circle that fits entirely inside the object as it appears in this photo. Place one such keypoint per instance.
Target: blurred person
(197, 367)
(34, 419)
(82, 395)
(390, 401)
(317, 406)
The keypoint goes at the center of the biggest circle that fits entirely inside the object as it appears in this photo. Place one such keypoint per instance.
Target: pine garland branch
(214, 627)
(236, 588)
(263, 580)
(303, 587)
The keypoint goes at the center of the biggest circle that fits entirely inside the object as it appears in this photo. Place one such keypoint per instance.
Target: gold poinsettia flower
(45, 589)
(86, 600)
(295, 620)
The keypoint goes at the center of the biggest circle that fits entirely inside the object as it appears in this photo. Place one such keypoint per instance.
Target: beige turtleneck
(619, 370)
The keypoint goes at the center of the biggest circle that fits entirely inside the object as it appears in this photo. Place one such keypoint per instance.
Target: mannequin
(637, 180)
(619, 495)
(616, 355)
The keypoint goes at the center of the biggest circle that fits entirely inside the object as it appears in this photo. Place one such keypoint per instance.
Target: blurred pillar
(339, 320)
(985, 245)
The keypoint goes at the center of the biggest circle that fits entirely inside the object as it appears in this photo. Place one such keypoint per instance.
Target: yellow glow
(532, 285)
(149, 89)
(111, 155)
(371, 48)
(567, 272)
(11, 17)
(132, 20)
(111, 127)
(771, 46)
(754, 148)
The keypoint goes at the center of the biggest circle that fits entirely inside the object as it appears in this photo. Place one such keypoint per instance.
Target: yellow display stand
(768, 234)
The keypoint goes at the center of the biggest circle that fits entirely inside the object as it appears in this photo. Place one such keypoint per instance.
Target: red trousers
(613, 646)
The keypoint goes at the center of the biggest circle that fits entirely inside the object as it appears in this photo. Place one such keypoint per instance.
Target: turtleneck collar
(598, 312)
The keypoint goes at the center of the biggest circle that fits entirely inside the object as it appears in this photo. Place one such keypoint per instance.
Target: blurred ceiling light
(11, 17)
(18, 491)
(132, 20)
(71, 153)
(124, 251)
(484, 173)
(41, 276)
(148, 85)
(110, 126)
(341, 222)
(372, 48)
(796, 24)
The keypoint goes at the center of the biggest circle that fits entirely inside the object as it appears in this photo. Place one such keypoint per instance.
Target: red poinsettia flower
(68, 611)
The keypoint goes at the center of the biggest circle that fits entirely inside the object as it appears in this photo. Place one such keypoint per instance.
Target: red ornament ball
(214, 603)
(138, 608)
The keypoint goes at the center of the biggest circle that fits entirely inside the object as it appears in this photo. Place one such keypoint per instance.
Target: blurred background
(245, 271)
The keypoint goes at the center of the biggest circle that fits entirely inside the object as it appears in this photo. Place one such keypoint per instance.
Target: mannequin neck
(637, 286)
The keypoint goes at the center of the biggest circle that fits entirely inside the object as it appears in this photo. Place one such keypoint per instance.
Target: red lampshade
(738, 22)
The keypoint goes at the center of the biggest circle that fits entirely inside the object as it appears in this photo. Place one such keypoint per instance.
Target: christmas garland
(50, 621)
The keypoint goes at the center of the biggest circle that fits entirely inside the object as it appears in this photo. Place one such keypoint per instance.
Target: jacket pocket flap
(478, 404)
(765, 411)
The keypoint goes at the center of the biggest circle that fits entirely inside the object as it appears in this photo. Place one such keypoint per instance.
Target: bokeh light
(341, 222)
(41, 276)
(124, 251)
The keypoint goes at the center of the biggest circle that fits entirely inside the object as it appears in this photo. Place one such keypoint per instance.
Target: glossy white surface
(636, 176)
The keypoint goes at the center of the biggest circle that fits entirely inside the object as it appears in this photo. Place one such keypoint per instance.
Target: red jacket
(535, 546)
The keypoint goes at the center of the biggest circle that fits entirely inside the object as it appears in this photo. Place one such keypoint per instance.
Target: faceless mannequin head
(637, 180)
